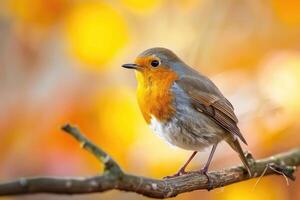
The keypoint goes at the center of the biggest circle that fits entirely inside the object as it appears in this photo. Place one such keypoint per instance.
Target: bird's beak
(130, 66)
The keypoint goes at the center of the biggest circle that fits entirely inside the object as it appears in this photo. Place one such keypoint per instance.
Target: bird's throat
(154, 94)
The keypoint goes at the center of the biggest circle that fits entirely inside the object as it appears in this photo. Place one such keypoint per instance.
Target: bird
(184, 107)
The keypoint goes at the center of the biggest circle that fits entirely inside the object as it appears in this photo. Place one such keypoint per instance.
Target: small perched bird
(183, 106)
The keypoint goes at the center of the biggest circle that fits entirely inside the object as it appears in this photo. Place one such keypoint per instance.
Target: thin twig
(282, 173)
(110, 164)
(259, 178)
(115, 178)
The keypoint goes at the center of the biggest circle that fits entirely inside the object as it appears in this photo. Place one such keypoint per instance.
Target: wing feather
(206, 98)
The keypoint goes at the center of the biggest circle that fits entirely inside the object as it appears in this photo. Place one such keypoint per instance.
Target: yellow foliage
(37, 12)
(141, 6)
(288, 11)
(96, 32)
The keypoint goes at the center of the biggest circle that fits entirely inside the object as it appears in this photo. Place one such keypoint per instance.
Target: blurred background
(60, 62)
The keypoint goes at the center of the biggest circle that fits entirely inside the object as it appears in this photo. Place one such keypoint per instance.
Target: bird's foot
(179, 173)
(204, 171)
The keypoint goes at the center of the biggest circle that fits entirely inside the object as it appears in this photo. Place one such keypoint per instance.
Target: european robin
(183, 106)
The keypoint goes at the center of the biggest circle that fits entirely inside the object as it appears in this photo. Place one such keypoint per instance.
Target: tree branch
(114, 178)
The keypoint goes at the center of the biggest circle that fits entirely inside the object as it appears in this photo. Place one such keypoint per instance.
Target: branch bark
(114, 177)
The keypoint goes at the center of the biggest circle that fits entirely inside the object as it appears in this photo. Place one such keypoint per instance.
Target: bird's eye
(154, 63)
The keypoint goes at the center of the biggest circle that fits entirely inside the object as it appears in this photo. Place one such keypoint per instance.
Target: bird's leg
(182, 169)
(205, 168)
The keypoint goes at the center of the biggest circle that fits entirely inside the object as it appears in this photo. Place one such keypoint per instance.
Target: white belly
(175, 135)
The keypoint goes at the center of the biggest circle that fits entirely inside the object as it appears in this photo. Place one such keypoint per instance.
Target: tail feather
(235, 144)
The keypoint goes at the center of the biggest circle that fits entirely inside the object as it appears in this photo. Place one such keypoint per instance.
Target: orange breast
(154, 95)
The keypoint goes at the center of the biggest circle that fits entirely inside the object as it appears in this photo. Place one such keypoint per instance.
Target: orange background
(60, 62)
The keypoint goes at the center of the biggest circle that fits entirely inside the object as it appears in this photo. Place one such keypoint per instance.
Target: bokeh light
(253, 190)
(280, 80)
(37, 12)
(119, 120)
(287, 11)
(142, 7)
(95, 32)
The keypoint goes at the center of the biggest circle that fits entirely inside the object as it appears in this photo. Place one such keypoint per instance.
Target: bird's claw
(203, 171)
(179, 173)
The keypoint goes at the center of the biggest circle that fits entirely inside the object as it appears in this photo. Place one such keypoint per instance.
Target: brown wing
(206, 98)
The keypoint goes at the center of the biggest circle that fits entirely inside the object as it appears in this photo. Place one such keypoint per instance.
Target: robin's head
(155, 72)
(154, 62)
